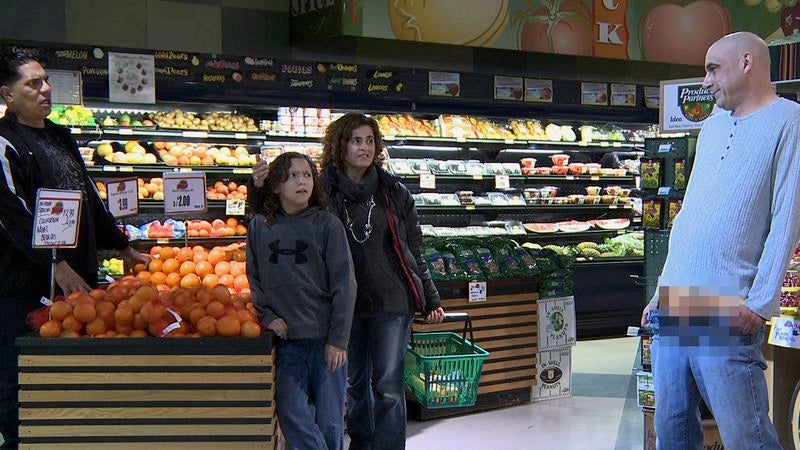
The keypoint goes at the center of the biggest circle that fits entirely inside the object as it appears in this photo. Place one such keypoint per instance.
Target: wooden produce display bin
(148, 393)
(505, 325)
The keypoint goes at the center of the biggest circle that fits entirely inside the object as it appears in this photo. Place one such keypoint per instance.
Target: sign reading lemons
(685, 105)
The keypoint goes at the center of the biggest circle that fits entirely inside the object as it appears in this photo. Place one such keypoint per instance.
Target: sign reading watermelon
(685, 105)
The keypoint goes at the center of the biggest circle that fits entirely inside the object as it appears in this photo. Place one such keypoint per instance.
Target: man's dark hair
(9, 67)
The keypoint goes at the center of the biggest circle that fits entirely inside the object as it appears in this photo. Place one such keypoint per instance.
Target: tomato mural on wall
(672, 31)
(681, 34)
(555, 26)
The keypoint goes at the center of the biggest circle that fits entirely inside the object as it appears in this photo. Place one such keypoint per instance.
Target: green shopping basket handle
(452, 317)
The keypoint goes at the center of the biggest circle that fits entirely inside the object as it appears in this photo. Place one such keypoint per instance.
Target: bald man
(728, 253)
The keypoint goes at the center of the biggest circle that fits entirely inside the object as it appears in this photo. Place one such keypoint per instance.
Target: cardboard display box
(645, 392)
(556, 323)
(553, 374)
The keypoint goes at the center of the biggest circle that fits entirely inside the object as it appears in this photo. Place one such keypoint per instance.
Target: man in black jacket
(35, 153)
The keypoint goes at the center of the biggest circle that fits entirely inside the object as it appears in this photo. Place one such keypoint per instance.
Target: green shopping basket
(443, 369)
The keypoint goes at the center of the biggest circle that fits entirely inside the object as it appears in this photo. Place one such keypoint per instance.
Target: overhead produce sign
(446, 84)
(131, 78)
(382, 80)
(286, 77)
(508, 88)
(66, 87)
(652, 97)
(538, 90)
(594, 93)
(623, 95)
(618, 29)
(685, 105)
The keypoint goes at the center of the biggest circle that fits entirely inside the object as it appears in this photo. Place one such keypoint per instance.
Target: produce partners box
(645, 392)
(136, 393)
(711, 437)
(553, 374)
(556, 323)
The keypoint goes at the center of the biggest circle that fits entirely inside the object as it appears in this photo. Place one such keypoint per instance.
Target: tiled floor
(601, 414)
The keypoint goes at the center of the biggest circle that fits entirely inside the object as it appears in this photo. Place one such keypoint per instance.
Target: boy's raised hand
(278, 326)
(334, 357)
(260, 172)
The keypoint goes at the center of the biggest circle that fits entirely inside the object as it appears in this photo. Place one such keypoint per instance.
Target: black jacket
(409, 233)
(25, 271)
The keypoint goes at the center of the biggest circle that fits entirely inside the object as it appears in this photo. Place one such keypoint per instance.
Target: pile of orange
(133, 308)
(191, 267)
(226, 191)
(215, 228)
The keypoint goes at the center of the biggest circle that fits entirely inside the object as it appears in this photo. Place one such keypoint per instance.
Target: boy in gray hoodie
(303, 286)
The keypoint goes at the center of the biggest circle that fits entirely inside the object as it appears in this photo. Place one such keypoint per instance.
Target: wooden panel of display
(505, 325)
(146, 393)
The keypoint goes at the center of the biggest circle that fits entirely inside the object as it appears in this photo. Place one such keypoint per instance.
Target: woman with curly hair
(393, 281)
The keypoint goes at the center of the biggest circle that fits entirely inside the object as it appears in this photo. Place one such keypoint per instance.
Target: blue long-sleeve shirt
(741, 213)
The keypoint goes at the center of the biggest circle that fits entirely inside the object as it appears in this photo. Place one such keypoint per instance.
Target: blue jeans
(731, 383)
(376, 404)
(310, 398)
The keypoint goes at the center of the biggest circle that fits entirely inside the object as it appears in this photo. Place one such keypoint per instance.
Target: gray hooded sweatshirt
(300, 270)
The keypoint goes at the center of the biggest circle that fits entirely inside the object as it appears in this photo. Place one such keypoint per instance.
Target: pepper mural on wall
(673, 31)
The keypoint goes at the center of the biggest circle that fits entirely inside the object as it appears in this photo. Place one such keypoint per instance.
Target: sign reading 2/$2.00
(671, 31)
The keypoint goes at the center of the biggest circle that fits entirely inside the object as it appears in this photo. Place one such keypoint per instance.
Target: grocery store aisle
(601, 414)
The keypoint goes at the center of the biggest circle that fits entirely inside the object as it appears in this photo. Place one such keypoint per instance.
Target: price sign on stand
(55, 224)
(56, 218)
(427, 181)
(785, 332)
(123, 197)
(234, 207)
(477, 291)
(184, 192)
(502, 182)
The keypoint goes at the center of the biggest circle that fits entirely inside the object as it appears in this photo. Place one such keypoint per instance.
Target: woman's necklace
(367, 226)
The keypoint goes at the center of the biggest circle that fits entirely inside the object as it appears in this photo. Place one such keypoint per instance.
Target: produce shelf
(590, 234)
(192, 241)
(158, 205)
(161, 168)
(528, 179)
(516, 143)
(515, 209)
(581, 261)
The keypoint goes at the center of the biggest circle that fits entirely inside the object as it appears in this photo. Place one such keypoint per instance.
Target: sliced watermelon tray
(576, 226)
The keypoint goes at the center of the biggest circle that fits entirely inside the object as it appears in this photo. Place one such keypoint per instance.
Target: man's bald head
(744, 42)
(738, 72)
